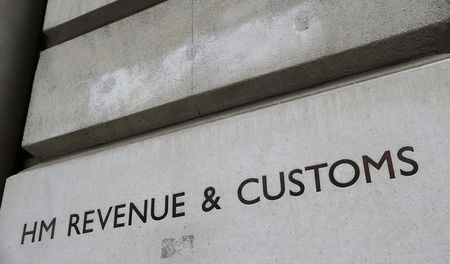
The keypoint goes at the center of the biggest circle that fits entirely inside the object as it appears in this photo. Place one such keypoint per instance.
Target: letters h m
(42, 228)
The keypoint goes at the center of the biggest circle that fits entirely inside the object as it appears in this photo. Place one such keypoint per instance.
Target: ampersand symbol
(211, 202)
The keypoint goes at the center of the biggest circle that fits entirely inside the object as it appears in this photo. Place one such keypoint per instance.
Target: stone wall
(209, 131)
(20, 22)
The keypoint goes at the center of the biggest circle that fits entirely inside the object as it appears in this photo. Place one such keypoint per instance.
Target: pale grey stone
(164, 66)
(239, 40)
(61, 11)
(66, 20)
(122, 69)
(399, 220)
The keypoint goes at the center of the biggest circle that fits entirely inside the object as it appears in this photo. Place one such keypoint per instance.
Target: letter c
(239, 192)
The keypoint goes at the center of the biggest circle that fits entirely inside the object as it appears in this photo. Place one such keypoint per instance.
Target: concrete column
(20, 26)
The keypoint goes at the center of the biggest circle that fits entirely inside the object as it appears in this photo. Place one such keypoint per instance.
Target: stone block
(61, 11)
(66, 20)
(182, 60)
(242, 40)
(364, 168)
(122, 69)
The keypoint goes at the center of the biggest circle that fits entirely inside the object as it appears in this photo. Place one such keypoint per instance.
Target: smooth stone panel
(238, 52)
(399, 217)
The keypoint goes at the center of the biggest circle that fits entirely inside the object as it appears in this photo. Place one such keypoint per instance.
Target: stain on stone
(302, 20)
(190, 52)
(172, 246)
(108, 85)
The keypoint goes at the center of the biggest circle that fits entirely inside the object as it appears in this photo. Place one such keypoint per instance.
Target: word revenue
(341, 174)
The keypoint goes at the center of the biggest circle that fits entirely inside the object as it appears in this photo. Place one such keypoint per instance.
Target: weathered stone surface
(389, 220)
(110, 74)
(123, 80)
(239, 40)
(61, 11)
(69, 19)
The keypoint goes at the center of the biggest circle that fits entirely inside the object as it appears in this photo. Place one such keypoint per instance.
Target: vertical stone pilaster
(20, 27)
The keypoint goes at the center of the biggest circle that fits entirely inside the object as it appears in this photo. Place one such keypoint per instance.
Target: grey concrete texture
(66, 20)
(61, 11)
(389, 220)
(20, 25)
(181, 59)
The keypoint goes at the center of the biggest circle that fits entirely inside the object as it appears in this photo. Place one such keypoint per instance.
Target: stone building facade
(211, 131)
